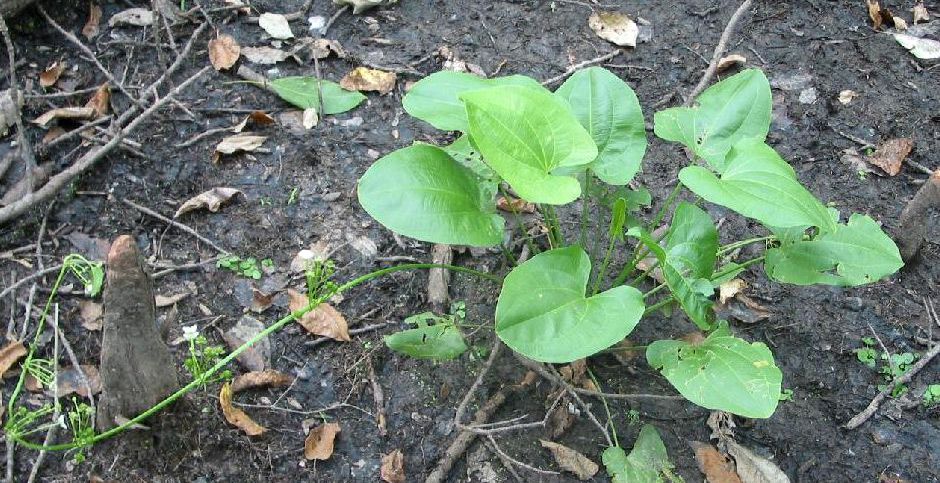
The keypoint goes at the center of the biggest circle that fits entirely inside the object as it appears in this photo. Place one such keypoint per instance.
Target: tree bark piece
(912, 226)
(137, 370)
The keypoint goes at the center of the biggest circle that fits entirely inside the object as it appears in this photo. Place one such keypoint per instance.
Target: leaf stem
(637, 254)
(585, 205)
(738, 244)
(658, 305)
(654, 290)
(740, 266)
(603, 271)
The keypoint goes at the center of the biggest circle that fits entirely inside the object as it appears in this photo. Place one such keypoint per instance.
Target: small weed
(203, 357)
(633, 417)
(319, 276)
(867, 355)
(248, 267)
(786, 395)
(932, 395)
(893, 366)
(80, 423)
(292, 197)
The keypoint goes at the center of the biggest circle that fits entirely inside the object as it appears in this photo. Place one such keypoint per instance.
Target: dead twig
(360, 330)
(438, 278)
(187, 229)
(869, 411)
(719, 51)
(39, 274)
(517, 462)
(574, 68)
(379, 396)
(329, 23)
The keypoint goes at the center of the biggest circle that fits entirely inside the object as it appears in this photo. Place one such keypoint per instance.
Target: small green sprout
(319, 274)
(203, 357)
(247, 267)
(786, 395)
(932, 395)
(292, 197)
(80, 423)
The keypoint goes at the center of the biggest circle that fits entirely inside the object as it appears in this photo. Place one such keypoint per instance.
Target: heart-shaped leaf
(692, 241)
(543, 313)
(440, 341)
(524, 134)
(648, 462)
(301, 91)
(759, 184)
(435, 99)
(733, 109)
(608, 108)
(857, 253)
(723, 372)
(421, 192)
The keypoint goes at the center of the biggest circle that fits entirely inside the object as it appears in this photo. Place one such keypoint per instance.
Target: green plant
(202, 357)
(893, 365)
(247, 267)
(80, 424)
(439, 340)
(553, 149)
(867, 355)
(932, 395)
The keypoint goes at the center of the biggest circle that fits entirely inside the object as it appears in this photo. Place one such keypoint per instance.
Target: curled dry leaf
(11, 353)
(714, 465)
(275, 25)
(360, 6)
(50, 76)
(91, 313)
(235, 416)
(514, 205)
(168, 300)
(730, 288)
(922, 48)
(223, 52)
(323, 320)
(82, 113)
(366, 79)
(730, 61)
(100, 102)
(920, 13)
(264, 55)
(90, 30)
(570, 460)
(246, 142)
(211, 199)
(614, 27)
(266, 378)
(754, 469)
(260, 301)
(874, 13)
(393, 467)
(847, 96)
(319, 442)
(321, 48)
(70, 381)
(257, 357)
(891, 154)
(137, 17)
(255, 118)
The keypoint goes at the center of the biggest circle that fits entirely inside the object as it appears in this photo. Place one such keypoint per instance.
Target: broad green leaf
(727, 112)
(692, 241)
(440, 341)
(464, 153)
(857, 253)
(435, 100)
(543, 314)
(421, 192)
(301, 91)
(648, 462)
(759, 184)
(526, 133)
(723, 372)
(608, 108)
(691, 293)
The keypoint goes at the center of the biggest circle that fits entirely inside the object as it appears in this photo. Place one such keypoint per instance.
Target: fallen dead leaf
(246, 142)
(614, 27)
(360, 6)
(730, 61)
(90, 30)
(254, 379)
(891, 154)
(714, 465)
(83, 113)
(323, 320)
(847, 96)
(260, 301)
(899, 23)
(310, 118)
(236, 416)
(90, 313)
(255, 118)
(211, 200)
(168, 300)
(514, 205)
(275, 25)
(11, 353)
(366, 79)
(50, 76)
(874, 13)
(100, 102)
(920, 13)
(730, 288)
(321, 48)
(319, 442)
(137, 17)
(69, 381)
(754, 469)
(922, 48)
(393, 467)
(570, 460)
(264, 55)
(223, 52)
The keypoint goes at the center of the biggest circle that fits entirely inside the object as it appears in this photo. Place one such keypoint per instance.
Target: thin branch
(574, 68)
(517, 462)
(187, 229)
(39, 274)
(719, 51)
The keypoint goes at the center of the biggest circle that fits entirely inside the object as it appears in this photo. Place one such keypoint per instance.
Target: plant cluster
(247, 267)
(893, 365)
(584, 143)
(202, 357)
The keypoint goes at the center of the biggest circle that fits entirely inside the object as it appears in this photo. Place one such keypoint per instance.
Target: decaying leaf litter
(263, 214)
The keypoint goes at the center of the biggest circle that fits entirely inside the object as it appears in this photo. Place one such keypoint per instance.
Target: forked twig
(574, 68)
(719, 51)
(187, 229)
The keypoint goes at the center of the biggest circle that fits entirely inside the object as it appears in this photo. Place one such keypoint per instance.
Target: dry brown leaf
(168, 300)
(11, 353)
(714, 465)
(255, 118)
(70, 381)
(100, 102)
(50, 76)
(920, 13)
(754, 469)
(891, 154)
(83, 113)
(91, 313)
(321, 48)
(570, 460)
(393, 467)
(514, 205)
(366, 79)
(235, 416)
(211, 199)
(275, 25)
(323, 320)
(138, 17)
(614, 27)
(847, 96)
(730, 288)
(90, 30)
(730, 61)
(223, 52)
(247, 142)
(319, 442)
(899, 23)
(874, 13)
(266, 378)
(260, 301)
(51, 134)
(264, 55)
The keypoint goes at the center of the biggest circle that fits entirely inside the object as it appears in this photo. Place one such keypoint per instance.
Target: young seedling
(247, 267)
(932, 395)
(202, 357)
